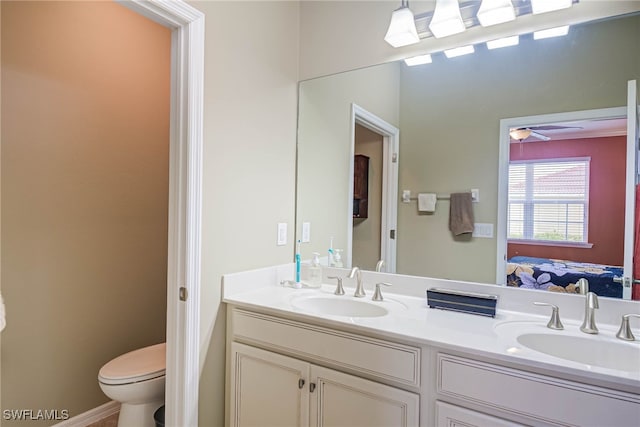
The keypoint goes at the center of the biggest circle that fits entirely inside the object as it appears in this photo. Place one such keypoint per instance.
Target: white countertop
(410, 320)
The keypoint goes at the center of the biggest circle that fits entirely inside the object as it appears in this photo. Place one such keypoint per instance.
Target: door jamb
(185, 203)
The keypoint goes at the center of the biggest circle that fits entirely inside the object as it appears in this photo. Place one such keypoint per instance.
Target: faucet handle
(554, 322)
(624, 333)
(339, 289)
(377, 295)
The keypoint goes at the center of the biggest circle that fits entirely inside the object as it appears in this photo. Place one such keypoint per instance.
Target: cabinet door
(454, 416)
(267, 389)
(339, 399)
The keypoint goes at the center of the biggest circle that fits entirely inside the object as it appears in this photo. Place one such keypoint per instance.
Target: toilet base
(140, 415)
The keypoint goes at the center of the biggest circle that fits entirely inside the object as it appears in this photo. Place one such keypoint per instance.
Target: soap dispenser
(315, 272)
(338, 258)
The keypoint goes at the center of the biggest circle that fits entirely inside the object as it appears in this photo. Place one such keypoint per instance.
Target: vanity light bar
(551, 32)
(544, 6)
(418, 60)
(493, 12)
(459, 51)
(503, 42)
(493, 44)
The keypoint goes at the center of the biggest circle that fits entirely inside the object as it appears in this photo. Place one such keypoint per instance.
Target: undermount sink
(339, 306)
(603, 350)
(587, 350)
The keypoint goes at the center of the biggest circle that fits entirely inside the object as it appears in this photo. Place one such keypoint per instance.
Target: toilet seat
(139, 365)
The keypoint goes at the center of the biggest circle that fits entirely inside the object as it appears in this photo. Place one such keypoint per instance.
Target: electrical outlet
(282, 234)
(406, 196)
(483, 230)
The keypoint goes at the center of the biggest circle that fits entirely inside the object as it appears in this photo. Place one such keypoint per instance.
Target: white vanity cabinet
(285, 372)
(269, 388)
(527, 397)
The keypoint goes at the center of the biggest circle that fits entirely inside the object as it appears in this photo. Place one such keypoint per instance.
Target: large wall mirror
(449, 117)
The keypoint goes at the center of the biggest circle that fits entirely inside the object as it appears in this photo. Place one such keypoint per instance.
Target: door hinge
(183, 293)
(392, 234)
(394, 158)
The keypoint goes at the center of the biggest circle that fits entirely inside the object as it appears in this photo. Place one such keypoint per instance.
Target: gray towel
(461, 214)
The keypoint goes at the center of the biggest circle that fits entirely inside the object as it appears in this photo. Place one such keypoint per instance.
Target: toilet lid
(138, 365)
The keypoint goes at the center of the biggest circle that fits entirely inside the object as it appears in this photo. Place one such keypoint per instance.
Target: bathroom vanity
(296, 357)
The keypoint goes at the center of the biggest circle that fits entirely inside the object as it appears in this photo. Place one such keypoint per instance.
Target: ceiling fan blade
(539, 136)
(554, 127)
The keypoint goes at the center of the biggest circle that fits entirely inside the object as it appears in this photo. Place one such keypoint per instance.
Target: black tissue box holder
(465, 302)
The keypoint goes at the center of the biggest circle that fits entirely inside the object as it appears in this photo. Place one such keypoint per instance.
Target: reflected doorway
(367, 193)
(359, 236)
(589, 125)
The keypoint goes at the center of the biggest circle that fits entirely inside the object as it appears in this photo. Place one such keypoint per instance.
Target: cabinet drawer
(537, 397)
(454, 416)
(381, 359)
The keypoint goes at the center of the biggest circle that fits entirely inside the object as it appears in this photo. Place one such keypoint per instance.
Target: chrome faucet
(583, 286)
(379, 266)
(590, 305)
(355, 272)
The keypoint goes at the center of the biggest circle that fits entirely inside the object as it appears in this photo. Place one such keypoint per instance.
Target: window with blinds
(549, 200)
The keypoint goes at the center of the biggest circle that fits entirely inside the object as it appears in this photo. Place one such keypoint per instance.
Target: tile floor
(110, 421)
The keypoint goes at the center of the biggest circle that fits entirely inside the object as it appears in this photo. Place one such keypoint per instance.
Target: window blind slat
(548, 200)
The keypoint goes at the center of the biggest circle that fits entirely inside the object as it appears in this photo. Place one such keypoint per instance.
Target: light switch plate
(282, 233)
(475, 195)
(483, 230)
(306, 232)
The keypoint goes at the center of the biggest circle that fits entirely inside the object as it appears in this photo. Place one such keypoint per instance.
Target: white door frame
(503, 166)
(185, 203)
(390, 146)
(631, 181)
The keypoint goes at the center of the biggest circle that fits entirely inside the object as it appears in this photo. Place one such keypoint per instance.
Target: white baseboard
(92, 415)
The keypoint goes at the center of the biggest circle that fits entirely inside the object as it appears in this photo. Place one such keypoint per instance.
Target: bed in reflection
(558, 275)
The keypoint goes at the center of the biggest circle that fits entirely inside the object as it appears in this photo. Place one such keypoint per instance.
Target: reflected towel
(461, 214)
(427, 202)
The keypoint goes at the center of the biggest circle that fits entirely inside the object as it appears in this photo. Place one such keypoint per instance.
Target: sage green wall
(324, 146)
(449, 119)
(85, 146)
(250, 107)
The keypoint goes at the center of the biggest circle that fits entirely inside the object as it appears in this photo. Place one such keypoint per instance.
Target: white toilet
(136, 380)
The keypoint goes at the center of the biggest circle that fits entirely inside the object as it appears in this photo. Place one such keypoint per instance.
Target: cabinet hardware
(183, 293)
(300, 383)
(312, 387)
